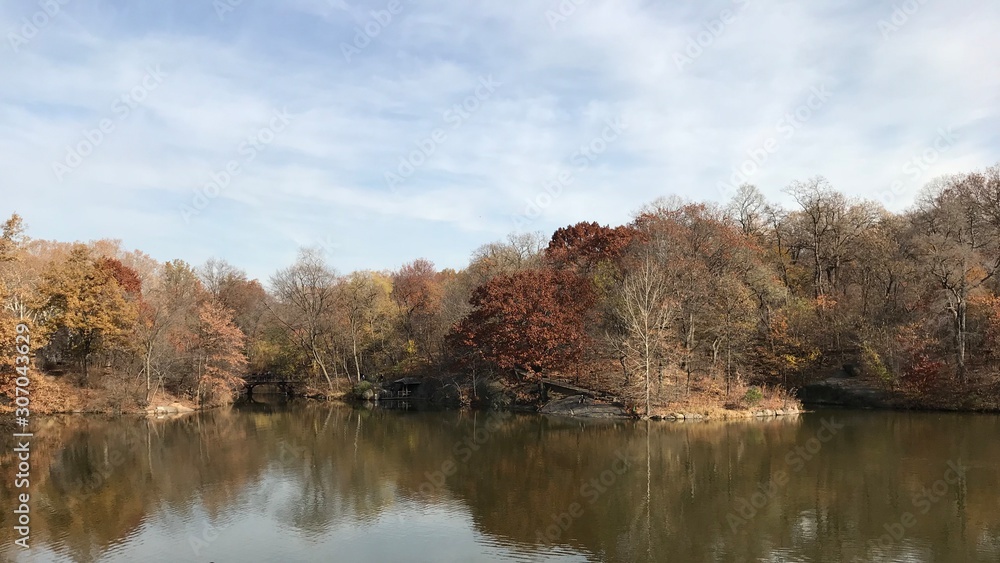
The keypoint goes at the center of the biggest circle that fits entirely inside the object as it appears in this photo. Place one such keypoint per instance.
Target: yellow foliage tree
(84, 302)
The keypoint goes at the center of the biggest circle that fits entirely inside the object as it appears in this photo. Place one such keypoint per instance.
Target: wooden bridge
(565, 388)
(283, 382)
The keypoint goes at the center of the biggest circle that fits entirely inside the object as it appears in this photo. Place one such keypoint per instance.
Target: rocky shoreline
(171, 409)
(729, 414)
(581, 406)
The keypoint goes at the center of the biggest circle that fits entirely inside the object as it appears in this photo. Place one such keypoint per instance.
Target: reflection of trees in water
(313, 468)
(675, 499)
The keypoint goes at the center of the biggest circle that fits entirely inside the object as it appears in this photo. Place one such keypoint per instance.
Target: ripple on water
(328, 484)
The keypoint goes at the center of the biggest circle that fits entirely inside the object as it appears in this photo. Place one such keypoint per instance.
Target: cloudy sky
(389, 130)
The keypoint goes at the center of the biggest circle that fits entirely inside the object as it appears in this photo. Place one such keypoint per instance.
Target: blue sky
(447, 125)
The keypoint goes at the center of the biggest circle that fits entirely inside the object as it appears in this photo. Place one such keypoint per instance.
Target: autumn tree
(219, 354)
(646, 311)
(529, 320)
(417, 292)
(246, 299)
(12, 238)
(216, 275)
(13, 299)
(827, 228)
(87, 305)
(750, 210)
(585, 245)
(307, 299)
(166, 327)
(718, 276)
(521, 251)
(127, 278)
(958, 248)
(456, 292)
(363, 297)
(884, 274)
(17, 282)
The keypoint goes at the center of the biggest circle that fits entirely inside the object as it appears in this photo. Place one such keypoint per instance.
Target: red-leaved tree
(585, 244)
(533, 320)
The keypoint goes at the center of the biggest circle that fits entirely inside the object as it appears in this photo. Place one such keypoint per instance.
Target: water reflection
(307, 482)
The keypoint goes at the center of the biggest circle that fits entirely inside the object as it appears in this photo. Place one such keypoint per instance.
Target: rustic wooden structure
(401, 389)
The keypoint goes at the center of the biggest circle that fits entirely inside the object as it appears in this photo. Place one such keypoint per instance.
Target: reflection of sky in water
(258, 527)
(314, 483)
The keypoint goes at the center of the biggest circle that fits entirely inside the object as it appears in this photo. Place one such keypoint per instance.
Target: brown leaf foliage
(534, 319)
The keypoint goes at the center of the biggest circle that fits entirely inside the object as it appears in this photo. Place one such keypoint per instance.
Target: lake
(304, 481)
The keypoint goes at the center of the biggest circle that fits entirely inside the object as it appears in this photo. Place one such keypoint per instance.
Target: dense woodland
(686, 298)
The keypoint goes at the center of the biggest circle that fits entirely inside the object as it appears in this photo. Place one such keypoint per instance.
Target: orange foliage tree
(533, 319)
(417, 292)
(220, 358)
(87, 305)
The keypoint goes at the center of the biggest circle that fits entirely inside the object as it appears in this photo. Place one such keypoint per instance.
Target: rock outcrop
(172, 408)
(842, 391)
(583, 406)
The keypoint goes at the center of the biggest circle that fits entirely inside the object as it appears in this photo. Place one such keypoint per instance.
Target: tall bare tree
(827, 229)
(958, 247)
(749, 210)
(307, 299)
(646, 311)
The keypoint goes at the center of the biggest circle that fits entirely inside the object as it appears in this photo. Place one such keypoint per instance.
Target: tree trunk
(198, 394)
(647, 375)
(322, 367)
(960, 338)
(347, 369)
(689, 344)
(729, 364)
(86, 359)
(715, 355)
(147, 366)
(357, 363)
(817, 271)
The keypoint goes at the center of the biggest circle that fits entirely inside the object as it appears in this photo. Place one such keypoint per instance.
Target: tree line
(687, 297)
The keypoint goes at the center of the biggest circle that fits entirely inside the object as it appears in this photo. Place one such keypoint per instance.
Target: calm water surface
(309, 482)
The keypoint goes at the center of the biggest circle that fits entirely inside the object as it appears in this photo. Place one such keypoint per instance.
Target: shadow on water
(272, 479)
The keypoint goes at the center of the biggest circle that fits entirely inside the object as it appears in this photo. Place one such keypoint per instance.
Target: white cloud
(351, 122)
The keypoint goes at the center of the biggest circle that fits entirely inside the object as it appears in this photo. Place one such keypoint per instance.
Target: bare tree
(645, 312)
(215, 274)
(359, 295)
(170, 302)
(827, 228)
(307, 295)
(959, 247)
(520, 252)
(749, 210)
